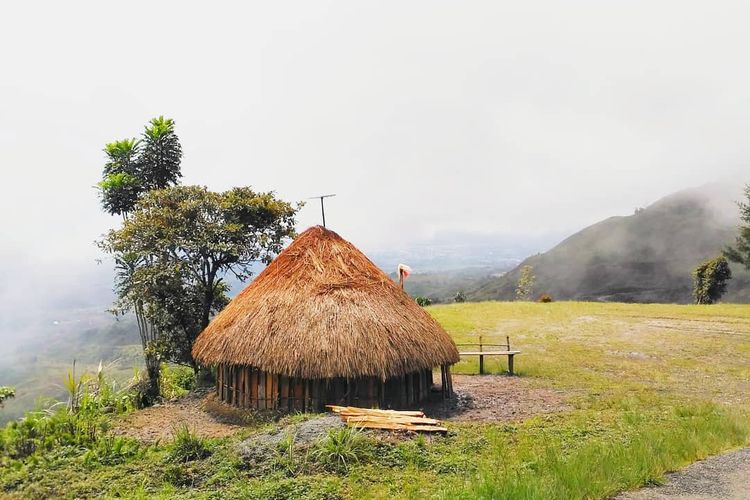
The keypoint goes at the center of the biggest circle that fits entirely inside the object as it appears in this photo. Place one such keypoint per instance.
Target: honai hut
(323, 325)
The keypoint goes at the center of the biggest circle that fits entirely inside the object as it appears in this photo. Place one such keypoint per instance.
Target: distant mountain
(644, 257)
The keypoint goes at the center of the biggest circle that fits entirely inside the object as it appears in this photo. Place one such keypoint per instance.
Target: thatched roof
(322, 309)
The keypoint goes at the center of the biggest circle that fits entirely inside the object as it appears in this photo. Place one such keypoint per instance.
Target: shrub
(176, 381)
(710, 280)
(187, 446)
(545, 298)
(6, 393)
(341, 448)
(459, 297)
(423, 301)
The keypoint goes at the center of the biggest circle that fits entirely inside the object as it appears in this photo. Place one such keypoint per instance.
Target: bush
(423, 301)
(187, 446)
(459, 297)
(176, 381)
(341, 448)
(545, 298)
(6, 393)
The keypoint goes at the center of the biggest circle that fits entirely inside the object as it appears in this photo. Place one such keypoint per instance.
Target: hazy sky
(424, 117)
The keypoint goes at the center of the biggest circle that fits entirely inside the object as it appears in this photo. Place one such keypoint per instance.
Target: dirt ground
(478, 398)
(489, 398)
(199, 410)
(724, 476)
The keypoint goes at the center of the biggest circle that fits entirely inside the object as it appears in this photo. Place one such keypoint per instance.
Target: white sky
(424, 117)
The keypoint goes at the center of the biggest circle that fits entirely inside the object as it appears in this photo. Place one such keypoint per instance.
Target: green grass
(651, 388)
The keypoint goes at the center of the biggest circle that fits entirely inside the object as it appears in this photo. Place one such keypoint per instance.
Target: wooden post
(510, 364)
(481, 357)
(507, 342)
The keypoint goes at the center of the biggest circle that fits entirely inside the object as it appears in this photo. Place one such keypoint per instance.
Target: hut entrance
(249, 387)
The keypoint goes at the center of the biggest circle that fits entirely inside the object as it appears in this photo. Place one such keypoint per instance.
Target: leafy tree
(459, 297)
(710, 280)
(175, 250)
(121, 184)
(161, 154)
(740, 253)
(135, 167)
(423, 301)
(526, 280)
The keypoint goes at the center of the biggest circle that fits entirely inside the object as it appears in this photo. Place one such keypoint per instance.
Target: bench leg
(481, 364)
(510, 364)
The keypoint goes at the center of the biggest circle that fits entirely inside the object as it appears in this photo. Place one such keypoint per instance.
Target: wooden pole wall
(248, 387)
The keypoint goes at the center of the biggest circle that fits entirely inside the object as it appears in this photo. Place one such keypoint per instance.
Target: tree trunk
(152, 392)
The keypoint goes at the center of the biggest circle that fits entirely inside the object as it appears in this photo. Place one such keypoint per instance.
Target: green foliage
(6, 393)
(134, 167)
(740, 253)
(75, 427)
(710, 280)
(161, 154)
(423, 301)
(176, 381)
(342, 448)
(459, 297)
(525, 286)
(119, 192)
(288, 457)
(175, 249)
(188, 446)
(545, 298)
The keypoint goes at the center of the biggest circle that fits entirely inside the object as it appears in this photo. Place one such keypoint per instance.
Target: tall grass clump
(341, 448)
(188, 446)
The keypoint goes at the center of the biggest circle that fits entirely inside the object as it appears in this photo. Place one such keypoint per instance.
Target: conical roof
(322, 309)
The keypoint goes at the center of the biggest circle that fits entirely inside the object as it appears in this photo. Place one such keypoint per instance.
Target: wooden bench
(498, 352)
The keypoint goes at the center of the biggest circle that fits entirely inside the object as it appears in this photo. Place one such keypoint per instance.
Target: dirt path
(725, 477)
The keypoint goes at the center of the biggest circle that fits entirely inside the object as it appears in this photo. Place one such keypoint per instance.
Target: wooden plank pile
(414, 421)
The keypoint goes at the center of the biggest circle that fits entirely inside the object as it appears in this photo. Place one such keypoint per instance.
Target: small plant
(111, 450)
(287, 457)
(459, 297)
(545, 298)
(341, 448)
(188, 446)
(423, 301)
(6, 393)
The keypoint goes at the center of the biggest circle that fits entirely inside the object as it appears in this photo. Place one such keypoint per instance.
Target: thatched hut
(323, 325)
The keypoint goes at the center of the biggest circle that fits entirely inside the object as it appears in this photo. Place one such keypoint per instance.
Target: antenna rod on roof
(322, 208)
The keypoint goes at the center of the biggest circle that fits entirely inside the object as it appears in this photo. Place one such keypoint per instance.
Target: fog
(507, 121)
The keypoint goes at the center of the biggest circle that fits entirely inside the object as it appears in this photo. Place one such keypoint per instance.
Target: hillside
(644, 257)
(608, 397)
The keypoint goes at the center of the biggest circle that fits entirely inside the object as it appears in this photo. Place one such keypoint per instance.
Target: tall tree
(184, 240)
(133, 168)
(525, 286)
(710, 280)
(740, 253)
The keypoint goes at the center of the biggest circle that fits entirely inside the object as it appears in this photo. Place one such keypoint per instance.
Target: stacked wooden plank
(368, 418)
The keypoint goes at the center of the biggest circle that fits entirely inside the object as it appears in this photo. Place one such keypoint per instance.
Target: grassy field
(650, 388)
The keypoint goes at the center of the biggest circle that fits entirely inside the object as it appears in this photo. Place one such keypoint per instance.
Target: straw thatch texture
(322, 309)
